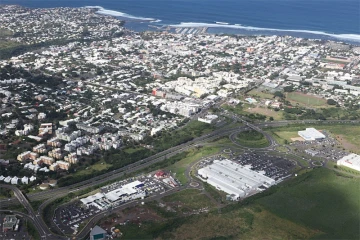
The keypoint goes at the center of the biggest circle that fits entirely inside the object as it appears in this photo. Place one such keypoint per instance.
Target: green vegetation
(335, 211)
(252, 139)
(30, 228)
(270, 113)
(190, 157)
(35, 204)
(93, 169)
(5, 193)
(17, 207)
(219, 196)
(260, 94)
(189, 199)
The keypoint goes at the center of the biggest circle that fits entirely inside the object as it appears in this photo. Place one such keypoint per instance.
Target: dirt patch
(265, 111)
(347, 145)
(134, 215)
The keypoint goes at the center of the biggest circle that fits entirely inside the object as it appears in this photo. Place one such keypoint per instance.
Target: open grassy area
(217, 195)
(287, 135)
(252, 222)
(260, 94)
(189, 199)
(321, 200)
(192, 155)
(252, 139)
(93, 168)
(305, 100)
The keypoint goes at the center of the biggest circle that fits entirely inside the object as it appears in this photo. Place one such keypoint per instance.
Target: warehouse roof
(233, 178)
(311, 134)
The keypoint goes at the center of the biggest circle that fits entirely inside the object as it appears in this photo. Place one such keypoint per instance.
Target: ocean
(321, 19)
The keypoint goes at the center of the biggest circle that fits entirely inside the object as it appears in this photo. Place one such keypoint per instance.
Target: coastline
(140, 24)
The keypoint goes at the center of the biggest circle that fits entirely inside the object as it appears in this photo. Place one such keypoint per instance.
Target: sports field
(305, 99)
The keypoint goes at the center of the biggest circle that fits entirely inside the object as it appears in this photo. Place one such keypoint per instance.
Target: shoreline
(225, 28)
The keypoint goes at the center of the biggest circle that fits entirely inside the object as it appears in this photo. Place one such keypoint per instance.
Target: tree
(271, 119)
(331, 102)
(288, 89)
(278, 94)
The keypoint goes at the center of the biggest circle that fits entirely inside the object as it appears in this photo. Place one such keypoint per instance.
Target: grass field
(260, 94)
(306, 100)
(320, 200)
(252, 139)
(277, 115)
(287, 135)
(194, 154)
(190, 199)
(93, 168)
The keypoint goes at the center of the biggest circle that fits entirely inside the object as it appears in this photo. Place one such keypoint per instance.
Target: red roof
(160, 173)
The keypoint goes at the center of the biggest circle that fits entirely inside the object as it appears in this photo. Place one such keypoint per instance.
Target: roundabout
(194, 184)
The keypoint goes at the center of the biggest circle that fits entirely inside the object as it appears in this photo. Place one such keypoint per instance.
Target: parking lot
(69, 217)
(271, 166)
(328, 148)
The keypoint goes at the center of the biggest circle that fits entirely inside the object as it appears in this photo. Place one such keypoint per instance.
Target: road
(42, 228)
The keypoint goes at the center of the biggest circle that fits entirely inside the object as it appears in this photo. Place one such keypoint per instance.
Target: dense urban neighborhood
(104, 130)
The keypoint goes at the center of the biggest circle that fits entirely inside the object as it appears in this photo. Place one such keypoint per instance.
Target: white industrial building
(127, 192)
(311, 134)
(234, 178)
(208, 119)
(351, 161)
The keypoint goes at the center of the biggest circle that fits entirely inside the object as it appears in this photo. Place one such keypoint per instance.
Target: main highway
(53, 194)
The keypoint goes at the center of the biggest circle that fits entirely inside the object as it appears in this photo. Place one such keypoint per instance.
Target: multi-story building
(27, 155)
(40, 148)
(63, 165)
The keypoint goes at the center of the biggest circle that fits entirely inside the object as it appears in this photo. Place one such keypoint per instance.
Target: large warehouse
(311, 134)
(351, 161)
(124, 193)
(233, 178)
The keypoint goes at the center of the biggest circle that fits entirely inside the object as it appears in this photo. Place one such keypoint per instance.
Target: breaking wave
(349, 37)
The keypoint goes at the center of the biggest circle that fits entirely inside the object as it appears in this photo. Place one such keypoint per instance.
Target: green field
(320, 200)
(305, 100)
(287, 135)
(93, 168)
(261, 94)
(252, 139)
(192, 155)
